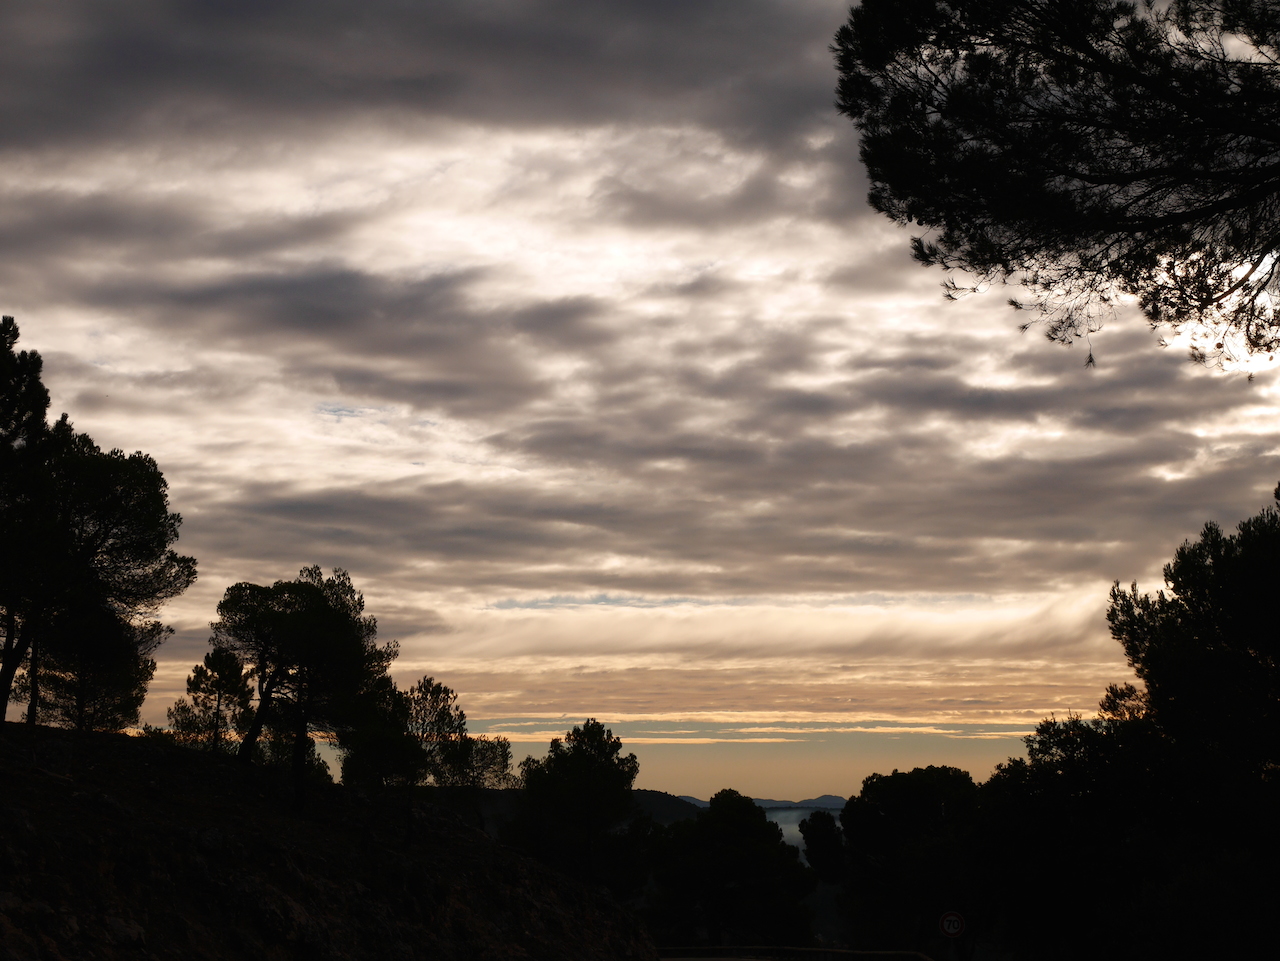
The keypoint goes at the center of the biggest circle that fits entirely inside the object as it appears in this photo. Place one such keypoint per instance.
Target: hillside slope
(116, 847)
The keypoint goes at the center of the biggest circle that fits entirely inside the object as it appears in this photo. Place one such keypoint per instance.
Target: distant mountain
(665, 808)
(826, 801)
(832, 801)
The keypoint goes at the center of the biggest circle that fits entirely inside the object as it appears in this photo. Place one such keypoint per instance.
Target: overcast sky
(565, 327)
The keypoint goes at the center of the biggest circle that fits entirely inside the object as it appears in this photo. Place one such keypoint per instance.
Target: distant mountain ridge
(664, 808)
(830, 801)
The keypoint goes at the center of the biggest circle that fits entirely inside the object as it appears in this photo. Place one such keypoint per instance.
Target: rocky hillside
(116, 847)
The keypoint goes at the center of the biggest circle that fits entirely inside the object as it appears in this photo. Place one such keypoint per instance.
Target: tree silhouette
(452, 757)
(906, 835)
(420, 736)
(823, 846)
(1082, 150)
(1208, 651)
(435, 721)
(1107, 796)
(575, 801)
(728, 877)
(220, 697)
(95, 670)
(80, 530)
(313, 654)
(1171, 786)
(586, 777)
(477, 760)
(1124, 702)
(24, 400)
(378, 749)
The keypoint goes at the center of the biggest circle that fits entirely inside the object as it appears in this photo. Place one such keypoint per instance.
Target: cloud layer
(564, 326)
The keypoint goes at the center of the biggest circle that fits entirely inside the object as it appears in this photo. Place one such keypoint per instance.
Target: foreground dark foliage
(119, 847)
(727, 877)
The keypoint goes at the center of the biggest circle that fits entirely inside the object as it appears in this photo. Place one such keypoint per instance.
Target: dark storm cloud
(90, 389)
(754, 419)
(41, 226)
(43, 223)
(409, 341)
(752, 75)
(886, 271)
(759, 185)
(158, 78)
(79, 71)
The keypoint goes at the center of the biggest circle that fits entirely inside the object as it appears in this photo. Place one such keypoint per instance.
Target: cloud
(153, 69)
(566, 328)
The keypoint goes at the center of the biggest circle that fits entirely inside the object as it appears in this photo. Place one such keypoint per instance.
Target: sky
(565, 327)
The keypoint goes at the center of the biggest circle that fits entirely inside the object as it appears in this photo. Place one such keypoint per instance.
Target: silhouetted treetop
(1209, 650)
(823, 845)
(585, 773)
(24, 400)
(730, 875)
(906, 806)
(434, 715)
(86, 549)
(313, 653)
(1082, 150)
(219, 705)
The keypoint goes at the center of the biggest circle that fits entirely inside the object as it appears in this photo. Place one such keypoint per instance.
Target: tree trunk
(82, 704)
(301, 744)
(15, 649)
(251, 736)
(33, 675)
(217, 722)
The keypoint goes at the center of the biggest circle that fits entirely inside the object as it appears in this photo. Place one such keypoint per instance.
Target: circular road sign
(952, 924)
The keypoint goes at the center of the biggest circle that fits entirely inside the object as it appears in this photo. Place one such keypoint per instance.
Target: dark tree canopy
(823, 845)
(95, 669)
(574, 802)
(313, 653)
(451, 756)
(732, 878)
(217, 705)
(435, 721)
(419, 736)
(1082, 150)
(106, 528)
(585, 776)
(1208, 650)
(1171, 789)
(906, 807)
(24, 401)
(80, 530)
(904, 837)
